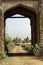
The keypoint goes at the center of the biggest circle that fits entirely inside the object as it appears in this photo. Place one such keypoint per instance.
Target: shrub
(2, 54)
(27, 47)
(36, 50)
(8, 40)
(10, 46)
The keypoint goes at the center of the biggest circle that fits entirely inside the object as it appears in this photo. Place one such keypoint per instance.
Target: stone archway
(32, 9)
(27, 12)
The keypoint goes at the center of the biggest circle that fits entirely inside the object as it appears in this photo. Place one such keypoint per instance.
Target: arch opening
(26, 12)
(19, 21)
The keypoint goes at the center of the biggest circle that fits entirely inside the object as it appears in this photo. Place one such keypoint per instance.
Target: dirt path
(18, 49)
(22, 60)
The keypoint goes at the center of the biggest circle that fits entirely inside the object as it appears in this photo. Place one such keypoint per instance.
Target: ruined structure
(32, 9)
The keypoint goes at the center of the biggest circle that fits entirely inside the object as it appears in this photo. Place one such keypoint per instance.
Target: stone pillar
(32, 31)
(1, 29)
(41, 26)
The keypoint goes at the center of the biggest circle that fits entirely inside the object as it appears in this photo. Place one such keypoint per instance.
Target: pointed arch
(21, 9)
(27, 12)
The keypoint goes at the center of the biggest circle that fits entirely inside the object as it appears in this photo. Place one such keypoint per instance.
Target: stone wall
(41, 26)
(35, 4)
(1, 30)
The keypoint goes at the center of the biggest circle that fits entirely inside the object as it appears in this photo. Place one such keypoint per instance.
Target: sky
(18, 27)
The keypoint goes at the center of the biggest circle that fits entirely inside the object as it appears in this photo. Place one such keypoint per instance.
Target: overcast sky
(18, 27)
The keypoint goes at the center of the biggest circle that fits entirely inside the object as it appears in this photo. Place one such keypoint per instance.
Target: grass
(31, 49)
(4, 61)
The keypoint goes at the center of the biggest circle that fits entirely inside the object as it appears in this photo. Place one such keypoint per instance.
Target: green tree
(19, 40)
(26, 39)
(14, 40)
(8, 40)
